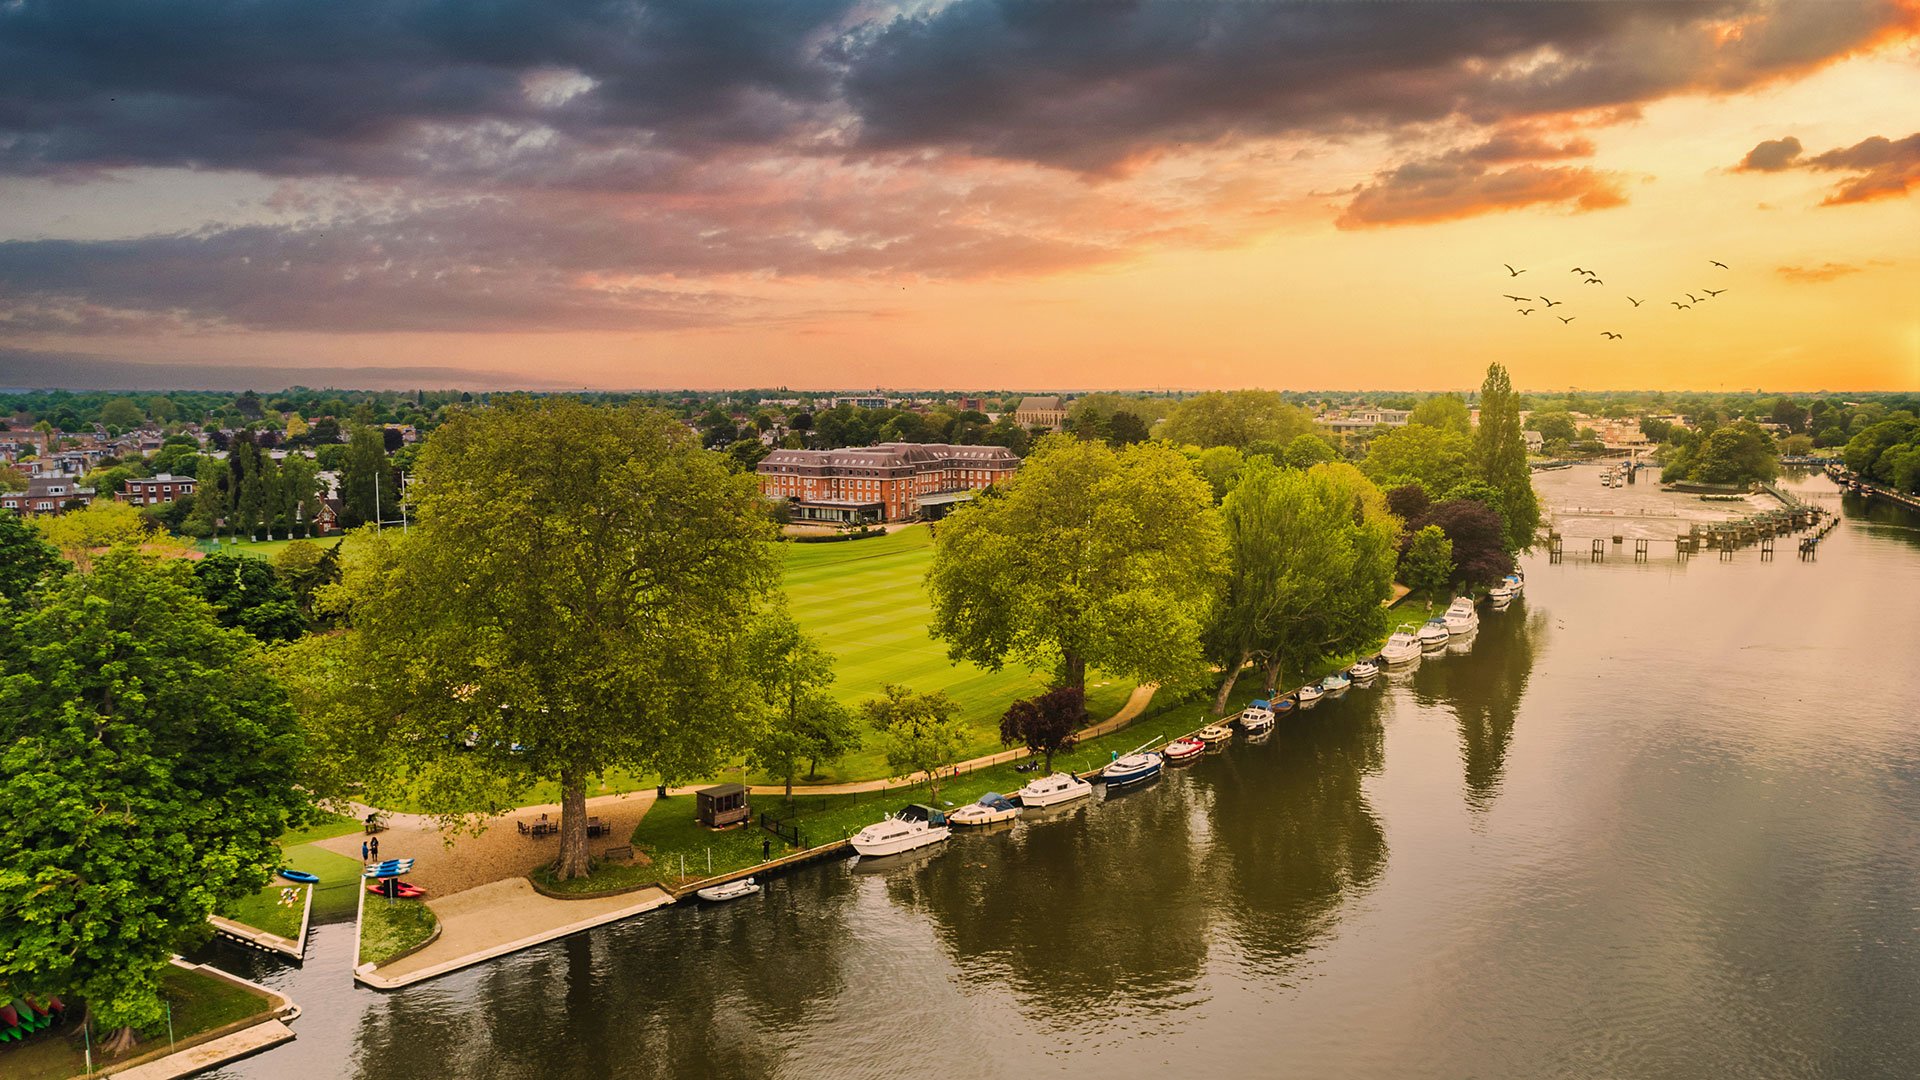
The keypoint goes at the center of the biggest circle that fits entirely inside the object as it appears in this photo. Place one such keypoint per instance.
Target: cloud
(1814, 275)
(1459, 183)
(1772, 155)
(1885, 168)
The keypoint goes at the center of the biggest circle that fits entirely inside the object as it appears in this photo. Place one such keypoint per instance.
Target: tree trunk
(1273, 674)
(572, 861)
(119, 1042)
(1226, 684)
(1075, 669)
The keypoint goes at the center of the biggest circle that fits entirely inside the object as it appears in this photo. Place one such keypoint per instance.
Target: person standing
(766, 849)
(363, 851)
(373, 845)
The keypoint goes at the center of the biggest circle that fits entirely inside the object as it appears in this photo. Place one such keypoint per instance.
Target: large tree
(1446, 411)
(800, 721)
(1235, 418)
(365, 494)
(1500, 450)
(146, 767)
(574, 596)
(1478, 536)
(249, 596)
(1311, 559)
(1086, 556)
(1436, 458)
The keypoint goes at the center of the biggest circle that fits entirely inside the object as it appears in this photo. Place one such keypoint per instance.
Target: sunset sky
(1061, 194)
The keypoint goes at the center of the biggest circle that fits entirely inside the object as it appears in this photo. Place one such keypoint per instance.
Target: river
(1663, 820)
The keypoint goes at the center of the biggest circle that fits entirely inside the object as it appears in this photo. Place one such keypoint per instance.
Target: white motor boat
(1309, 694)
(728, 890)
(990, 808)
(1363, 670)
(1504, 591)
(1519, 582)
(895, 835)
(1053, 790)
(1336, 682)
(1461, 618)
(1256, 717)
(1433, 634)
(1402, 647)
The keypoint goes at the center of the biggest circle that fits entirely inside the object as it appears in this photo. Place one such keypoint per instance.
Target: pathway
(206, 1055)
(505, 916)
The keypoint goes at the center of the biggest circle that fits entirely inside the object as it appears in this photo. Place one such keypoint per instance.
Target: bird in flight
(1526, 311)
(1577, 270)
(1517, 299)
(1566, 318)
(1692, 299)
(1718, 263)
(1609, 333)
(1511, 272)
(1552, 303)
(1681, 306)
(1636, 303)
(1713, 292)
(1595, 281)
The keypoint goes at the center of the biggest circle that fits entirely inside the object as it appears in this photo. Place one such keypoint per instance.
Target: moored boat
(1433, 633)
(1308, 694)
(988, 809)
(1504, 591)
(1054, 789)
(728, 890)
(1461, 617)
(1214, 734)
(1184, 748)
(1132, 768)
(1256, 717)
(1363, 670)
(1403, 646)
(895, 835)
(1336, 682)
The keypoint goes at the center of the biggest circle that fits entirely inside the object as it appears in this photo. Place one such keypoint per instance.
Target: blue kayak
(300, 876)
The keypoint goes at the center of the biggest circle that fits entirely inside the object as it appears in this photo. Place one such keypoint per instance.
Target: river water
(1662, 820)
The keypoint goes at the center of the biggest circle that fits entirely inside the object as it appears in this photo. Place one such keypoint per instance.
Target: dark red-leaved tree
(1479, 539)
(1408, 501)
(1046, 725)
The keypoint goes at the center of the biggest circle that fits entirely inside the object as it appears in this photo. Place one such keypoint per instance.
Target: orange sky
(1285, 259)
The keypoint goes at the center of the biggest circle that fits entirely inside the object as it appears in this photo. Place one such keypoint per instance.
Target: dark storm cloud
(611, 93)
(1884, 168)
(1090, 85)
(1460, 183)
(289, 87)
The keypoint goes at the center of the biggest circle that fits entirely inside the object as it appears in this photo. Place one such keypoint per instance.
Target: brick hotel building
(889, 482)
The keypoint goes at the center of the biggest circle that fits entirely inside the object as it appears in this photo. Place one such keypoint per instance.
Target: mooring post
(1599, 549)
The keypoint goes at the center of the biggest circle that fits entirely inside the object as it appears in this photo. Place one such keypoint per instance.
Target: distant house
(46, 495)
(155, 490)
(327, 518)
(1535, 441)
(1367, 419)
(889, 482)
(1042, 412)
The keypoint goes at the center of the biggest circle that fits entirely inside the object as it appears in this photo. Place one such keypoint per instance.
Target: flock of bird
(1590, 277)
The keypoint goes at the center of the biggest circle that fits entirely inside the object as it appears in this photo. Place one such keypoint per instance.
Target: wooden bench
(623, 851)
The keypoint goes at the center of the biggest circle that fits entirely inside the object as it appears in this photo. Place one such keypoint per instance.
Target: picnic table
(595, 827)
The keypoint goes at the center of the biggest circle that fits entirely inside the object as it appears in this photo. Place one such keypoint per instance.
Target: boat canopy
(922, 812)
(996, 800)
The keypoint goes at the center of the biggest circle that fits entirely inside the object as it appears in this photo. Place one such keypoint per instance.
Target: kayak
(402, 889)
(300, 876)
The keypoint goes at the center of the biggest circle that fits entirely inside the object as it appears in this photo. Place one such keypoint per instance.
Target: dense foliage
(1888, 453)
(1739, 453)
(148, 762)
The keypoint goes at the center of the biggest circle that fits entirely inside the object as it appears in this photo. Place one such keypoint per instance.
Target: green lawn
(866, 603)
(259, 549)
(339, 877)
(329, 826)
(277, 908)
(200, 1003)
(388, 929)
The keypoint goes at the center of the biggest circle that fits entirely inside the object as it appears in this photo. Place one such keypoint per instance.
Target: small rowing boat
(728, 890)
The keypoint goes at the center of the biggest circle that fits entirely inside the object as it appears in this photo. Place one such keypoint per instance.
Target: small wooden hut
(722, 805)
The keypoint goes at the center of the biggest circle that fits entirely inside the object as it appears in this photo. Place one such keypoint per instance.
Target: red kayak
(402, 889)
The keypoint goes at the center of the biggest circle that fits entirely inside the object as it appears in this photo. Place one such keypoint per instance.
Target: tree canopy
(1047, 724)
(147, 760)
(1478, 538)
(1501, 453)
(25, 560)
(800, 721)
(1437, 459)
(1738, 453)
(1235, 418)
(1311, 558)
(1446, 411)
(1087, 556)
(575, 595)
(922, 732)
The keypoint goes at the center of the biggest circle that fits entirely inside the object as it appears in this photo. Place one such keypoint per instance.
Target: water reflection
(1294, 837)
(1485, 688)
